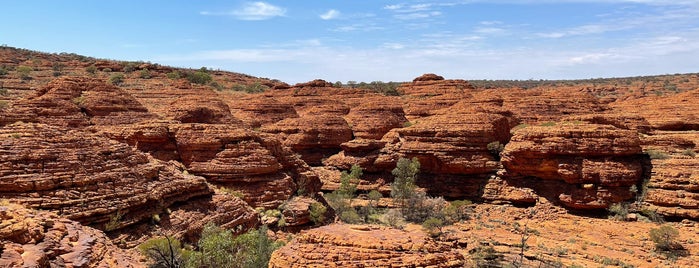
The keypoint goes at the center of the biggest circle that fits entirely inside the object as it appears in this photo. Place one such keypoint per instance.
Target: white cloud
(251, 11)
(331, 14)
(417, 15)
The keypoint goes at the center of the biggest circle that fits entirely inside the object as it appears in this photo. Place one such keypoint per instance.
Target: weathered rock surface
(602, 162)
(77, 102)
(88, 178)
(447, 144)
(266, 172)
(431, 84)
(373, 119)
(30, 238)
(261, 110)
(676, 112)
(543, 105)
(201, 109)
(313, 137)
(341, 245)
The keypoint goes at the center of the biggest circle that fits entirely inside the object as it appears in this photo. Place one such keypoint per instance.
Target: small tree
(91, 69)
(374, 197)
(24, 72)
(433, 226)
(665, 237)
(116, 79)
(403, 186)
(317, 213)
(164, 252)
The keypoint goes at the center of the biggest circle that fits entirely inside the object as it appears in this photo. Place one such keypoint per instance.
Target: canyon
(90, 169)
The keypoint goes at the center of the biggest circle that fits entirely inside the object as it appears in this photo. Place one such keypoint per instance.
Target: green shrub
(91, 69)
(218, 248)
(174, 75)
(405, 176)
(164, 252)
(116, 79)
(618, 211)
(107, 70)
(350, 216)
(130, 67)
(689, 152)
(656, 154)
(198, 77)
(495, 148)
(24, 72)
(665, 237)
(3, 71)
(145, 74)
(317, 213)
(433, 226)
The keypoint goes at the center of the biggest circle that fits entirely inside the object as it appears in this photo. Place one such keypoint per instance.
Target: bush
(91, 69)
(433, 226)
(618, 211)
(350, 216)
(317, 213)
(495, 148)
(3, 71)
(174, 75)
(218, 248)
(24, 72)
(656, 154)
(665, 237)
(689, 152)
(165, 252)
(145, 74)
(130, 67)
(199, 77)
(403, 186)
(116, 79)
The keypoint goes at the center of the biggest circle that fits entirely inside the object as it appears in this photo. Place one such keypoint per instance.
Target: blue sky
(368, 40)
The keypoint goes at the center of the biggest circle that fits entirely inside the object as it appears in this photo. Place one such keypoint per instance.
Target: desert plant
(618, 211)
(433, 226)
(24, 72)
(656, 154)
(350, 216)
(164, 252)
(665, 237)
(374, 197)
(116, 79)
(486, 257)
(91, 69)
(3, 71)
(145, 74)
(689, 152)
(405, 176)
(199, 77)
(218, 248)
(114, 221)
(317, 213)
(495, 148)
(130, 67)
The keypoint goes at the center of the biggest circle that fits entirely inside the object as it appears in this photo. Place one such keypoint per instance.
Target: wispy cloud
(331, 14)
(251, 11)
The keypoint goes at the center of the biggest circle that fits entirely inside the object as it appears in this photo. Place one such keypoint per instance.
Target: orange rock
(31, 238)
(342, 245)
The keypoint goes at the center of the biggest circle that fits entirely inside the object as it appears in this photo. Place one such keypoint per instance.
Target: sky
(372, 40)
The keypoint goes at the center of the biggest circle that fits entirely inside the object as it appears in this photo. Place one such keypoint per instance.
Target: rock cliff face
(77, 102)
(314, 137)
(30, 238)
(88, 178)
(259, 166)
(431, 84)
(341, 245)
(597, 163)
(677, 112)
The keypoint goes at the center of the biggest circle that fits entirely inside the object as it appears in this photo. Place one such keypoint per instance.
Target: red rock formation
(373, 119)
(30, 238)
(447, 144)
(77, 102)
(598, 163)
(201, 109)
(675, 112)
(341, 245)
(255, 164)
(88, 178)
(313, 137)
(261, 110)
(431, 84)
(541, 105)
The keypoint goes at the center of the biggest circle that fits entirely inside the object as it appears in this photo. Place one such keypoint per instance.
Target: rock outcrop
(77, 102)
(598, 164)
(30, 238)
(88, 178)
(313, 137)
(341, 245)
(265, 172)
(374, 118)
(431, 84)
(676, 112)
